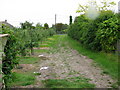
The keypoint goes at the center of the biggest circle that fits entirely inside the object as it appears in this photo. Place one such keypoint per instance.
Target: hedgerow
(100, 34)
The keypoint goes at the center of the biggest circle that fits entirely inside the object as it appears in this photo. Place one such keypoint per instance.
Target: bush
(107, 34)
(99, 34)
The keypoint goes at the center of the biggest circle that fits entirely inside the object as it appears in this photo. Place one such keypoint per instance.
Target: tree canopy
(103, 5)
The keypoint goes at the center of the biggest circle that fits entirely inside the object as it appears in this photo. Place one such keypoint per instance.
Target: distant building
(6, 23)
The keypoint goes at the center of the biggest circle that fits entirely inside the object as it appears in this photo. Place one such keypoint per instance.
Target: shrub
(107, 34)
(99, 34)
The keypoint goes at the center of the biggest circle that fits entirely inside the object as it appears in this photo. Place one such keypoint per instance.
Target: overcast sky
(42, 11)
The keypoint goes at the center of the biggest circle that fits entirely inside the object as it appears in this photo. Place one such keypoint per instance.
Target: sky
(39, 11)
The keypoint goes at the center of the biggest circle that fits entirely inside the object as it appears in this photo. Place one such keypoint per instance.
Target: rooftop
(6, 23)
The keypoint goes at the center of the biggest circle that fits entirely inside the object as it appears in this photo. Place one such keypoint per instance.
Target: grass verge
(106, 60)
(75, 82)
(22, 79)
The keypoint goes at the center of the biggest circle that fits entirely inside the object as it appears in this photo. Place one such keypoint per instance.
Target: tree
(60, 27)
(29, 29)
(26, 25)
(46, 26)
(39, 26)
(105, 5)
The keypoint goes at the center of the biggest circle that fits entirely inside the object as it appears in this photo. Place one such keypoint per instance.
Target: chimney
(5, 20)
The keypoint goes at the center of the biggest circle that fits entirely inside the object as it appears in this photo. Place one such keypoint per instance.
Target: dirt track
(69, 63)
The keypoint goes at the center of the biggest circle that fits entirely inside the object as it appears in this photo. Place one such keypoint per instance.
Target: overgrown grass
(106, 60)
(22, 79)
(75, 82)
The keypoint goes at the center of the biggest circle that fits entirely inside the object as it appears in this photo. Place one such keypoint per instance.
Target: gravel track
(67, 62)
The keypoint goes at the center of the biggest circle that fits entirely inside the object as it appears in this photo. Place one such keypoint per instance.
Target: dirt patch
(23, 68)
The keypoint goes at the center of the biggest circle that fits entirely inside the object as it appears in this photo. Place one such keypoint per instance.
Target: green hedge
(100, 34)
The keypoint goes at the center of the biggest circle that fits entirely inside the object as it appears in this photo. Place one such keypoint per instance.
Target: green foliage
(60, 27)
(107, 34)
(99, 34)
(11, 50)
(26, 25)
(46, 26)
(106, 5)
(20, 42)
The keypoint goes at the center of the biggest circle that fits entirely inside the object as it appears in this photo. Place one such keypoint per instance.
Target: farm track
(64, 62)
(68, 63)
